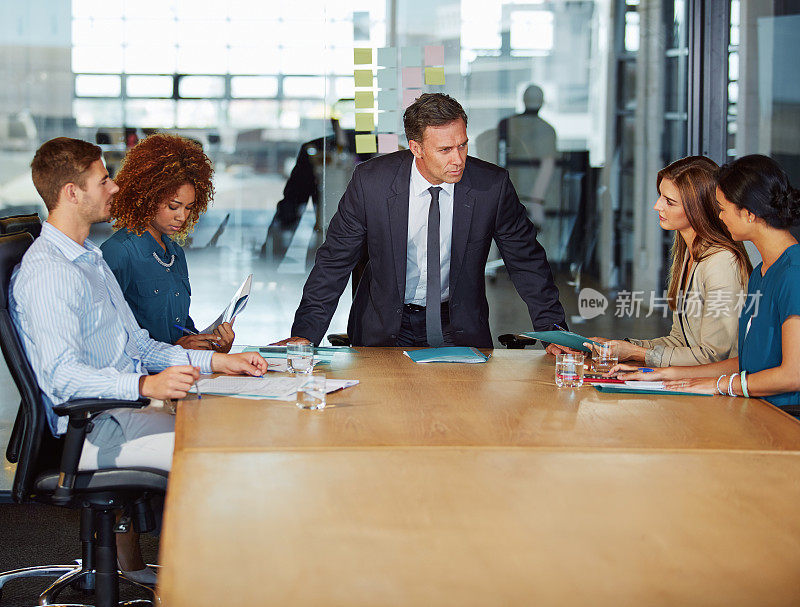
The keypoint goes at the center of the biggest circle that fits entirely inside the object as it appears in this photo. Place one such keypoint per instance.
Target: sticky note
(434, 75)
(387, 79)
(409, 96)
(412, 77)
(387, 57)
(362, 56)
(434, 55)
(388, 100)
(387, 143)
(363, 78)
(411, 56)
(365, 144)
(387, 122)
(365, 100)
(365, 121)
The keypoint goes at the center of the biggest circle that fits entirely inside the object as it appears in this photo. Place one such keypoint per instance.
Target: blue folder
(562, 338)
(447, 355)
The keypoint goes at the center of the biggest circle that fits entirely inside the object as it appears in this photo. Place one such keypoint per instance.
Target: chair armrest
(339, 339)
(96, 405)
(515, 341)
(79, 410)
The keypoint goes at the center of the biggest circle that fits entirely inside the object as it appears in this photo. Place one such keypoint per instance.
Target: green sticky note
(363, 78)
(365, 121)
(434, 75)
(365, 100)
(366, 144)
(362, 56)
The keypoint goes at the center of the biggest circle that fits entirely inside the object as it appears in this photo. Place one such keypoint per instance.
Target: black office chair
(21, 223)
(47, 468)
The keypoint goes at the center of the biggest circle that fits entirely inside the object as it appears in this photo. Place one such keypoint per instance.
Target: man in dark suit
(403, 209)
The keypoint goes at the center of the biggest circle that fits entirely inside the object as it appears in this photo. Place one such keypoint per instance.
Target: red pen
(603, 380)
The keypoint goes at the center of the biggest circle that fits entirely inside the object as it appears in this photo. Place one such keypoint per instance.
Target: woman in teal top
(757, 203)
(164, 186)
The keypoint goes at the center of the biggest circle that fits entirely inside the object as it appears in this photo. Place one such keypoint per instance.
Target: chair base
(73, 576)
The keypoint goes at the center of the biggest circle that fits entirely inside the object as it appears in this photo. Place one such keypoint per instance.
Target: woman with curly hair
(164, 186)
(756, 203)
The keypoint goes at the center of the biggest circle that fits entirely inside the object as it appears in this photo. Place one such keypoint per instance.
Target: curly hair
(153, 171)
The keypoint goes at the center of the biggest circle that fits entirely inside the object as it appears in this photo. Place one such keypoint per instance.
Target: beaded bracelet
(743, 379)
(718, 379)
(730, 385)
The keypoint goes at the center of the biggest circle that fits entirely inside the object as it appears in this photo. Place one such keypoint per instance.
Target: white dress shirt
(79, 334)
(419, 202)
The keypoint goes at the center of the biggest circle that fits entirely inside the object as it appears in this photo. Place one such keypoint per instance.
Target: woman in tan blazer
(708, 277)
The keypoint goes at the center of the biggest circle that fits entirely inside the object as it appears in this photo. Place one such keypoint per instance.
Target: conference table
(456, 484)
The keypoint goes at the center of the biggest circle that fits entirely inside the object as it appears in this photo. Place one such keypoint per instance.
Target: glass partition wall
(581, 100)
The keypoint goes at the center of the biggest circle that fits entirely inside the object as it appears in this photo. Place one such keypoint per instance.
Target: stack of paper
(277, 388)
(447, 355)
(643, 387)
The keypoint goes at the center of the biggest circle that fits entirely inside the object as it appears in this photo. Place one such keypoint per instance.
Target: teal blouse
(158, 293)
(772, 299)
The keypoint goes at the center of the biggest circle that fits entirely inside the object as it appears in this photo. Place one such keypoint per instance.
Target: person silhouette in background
(526, 146)
(335, 155)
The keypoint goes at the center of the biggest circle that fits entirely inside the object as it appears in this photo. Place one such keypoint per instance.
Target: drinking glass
(569, 370)
(605, 358)
(311, 390)
(300, 358)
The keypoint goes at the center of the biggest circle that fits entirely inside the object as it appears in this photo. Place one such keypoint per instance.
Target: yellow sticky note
(434, 75)
(363, 78)
(366, 144)
(362, 56)
(365, 100)
(365, 121)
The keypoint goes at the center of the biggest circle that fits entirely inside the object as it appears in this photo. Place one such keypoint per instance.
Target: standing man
(81, 337)
(426, 217)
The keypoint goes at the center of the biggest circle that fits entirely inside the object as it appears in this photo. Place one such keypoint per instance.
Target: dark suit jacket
(374, 211)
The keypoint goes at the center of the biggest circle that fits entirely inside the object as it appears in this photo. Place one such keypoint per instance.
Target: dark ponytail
(759, 184)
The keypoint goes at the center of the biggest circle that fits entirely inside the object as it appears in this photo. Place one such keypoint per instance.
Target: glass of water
(569, 370)
(311, 390)
(605, 358)
(300, 358)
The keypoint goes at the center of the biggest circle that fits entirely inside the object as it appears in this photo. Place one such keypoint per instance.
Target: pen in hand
(190, 332)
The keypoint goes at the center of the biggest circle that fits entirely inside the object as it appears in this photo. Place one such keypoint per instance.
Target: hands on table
(671, 376)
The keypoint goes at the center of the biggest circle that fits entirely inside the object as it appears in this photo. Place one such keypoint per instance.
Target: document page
(278, 388)
(235, 307)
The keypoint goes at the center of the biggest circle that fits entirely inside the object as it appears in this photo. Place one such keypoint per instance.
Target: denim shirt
(772, 298)
(158, 293)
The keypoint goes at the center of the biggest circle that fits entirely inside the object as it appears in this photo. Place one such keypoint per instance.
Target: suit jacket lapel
(463, 205)
(397, 203)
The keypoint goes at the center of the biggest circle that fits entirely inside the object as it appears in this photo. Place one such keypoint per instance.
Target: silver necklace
(163, 263)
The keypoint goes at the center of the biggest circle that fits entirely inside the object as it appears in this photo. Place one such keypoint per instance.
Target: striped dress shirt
(80, 336)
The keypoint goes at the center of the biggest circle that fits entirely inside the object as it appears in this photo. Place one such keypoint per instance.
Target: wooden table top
(509, 401)
(482, 526)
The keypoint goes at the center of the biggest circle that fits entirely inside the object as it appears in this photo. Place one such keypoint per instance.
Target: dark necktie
(433, 290)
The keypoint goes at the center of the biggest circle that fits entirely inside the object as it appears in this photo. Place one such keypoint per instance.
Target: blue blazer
(373, 217)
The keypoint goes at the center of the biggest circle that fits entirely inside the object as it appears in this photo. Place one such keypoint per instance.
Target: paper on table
(645, 385)
(235, 307)
(278, 388)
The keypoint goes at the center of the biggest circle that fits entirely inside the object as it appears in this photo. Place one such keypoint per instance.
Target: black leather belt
(414, 308)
